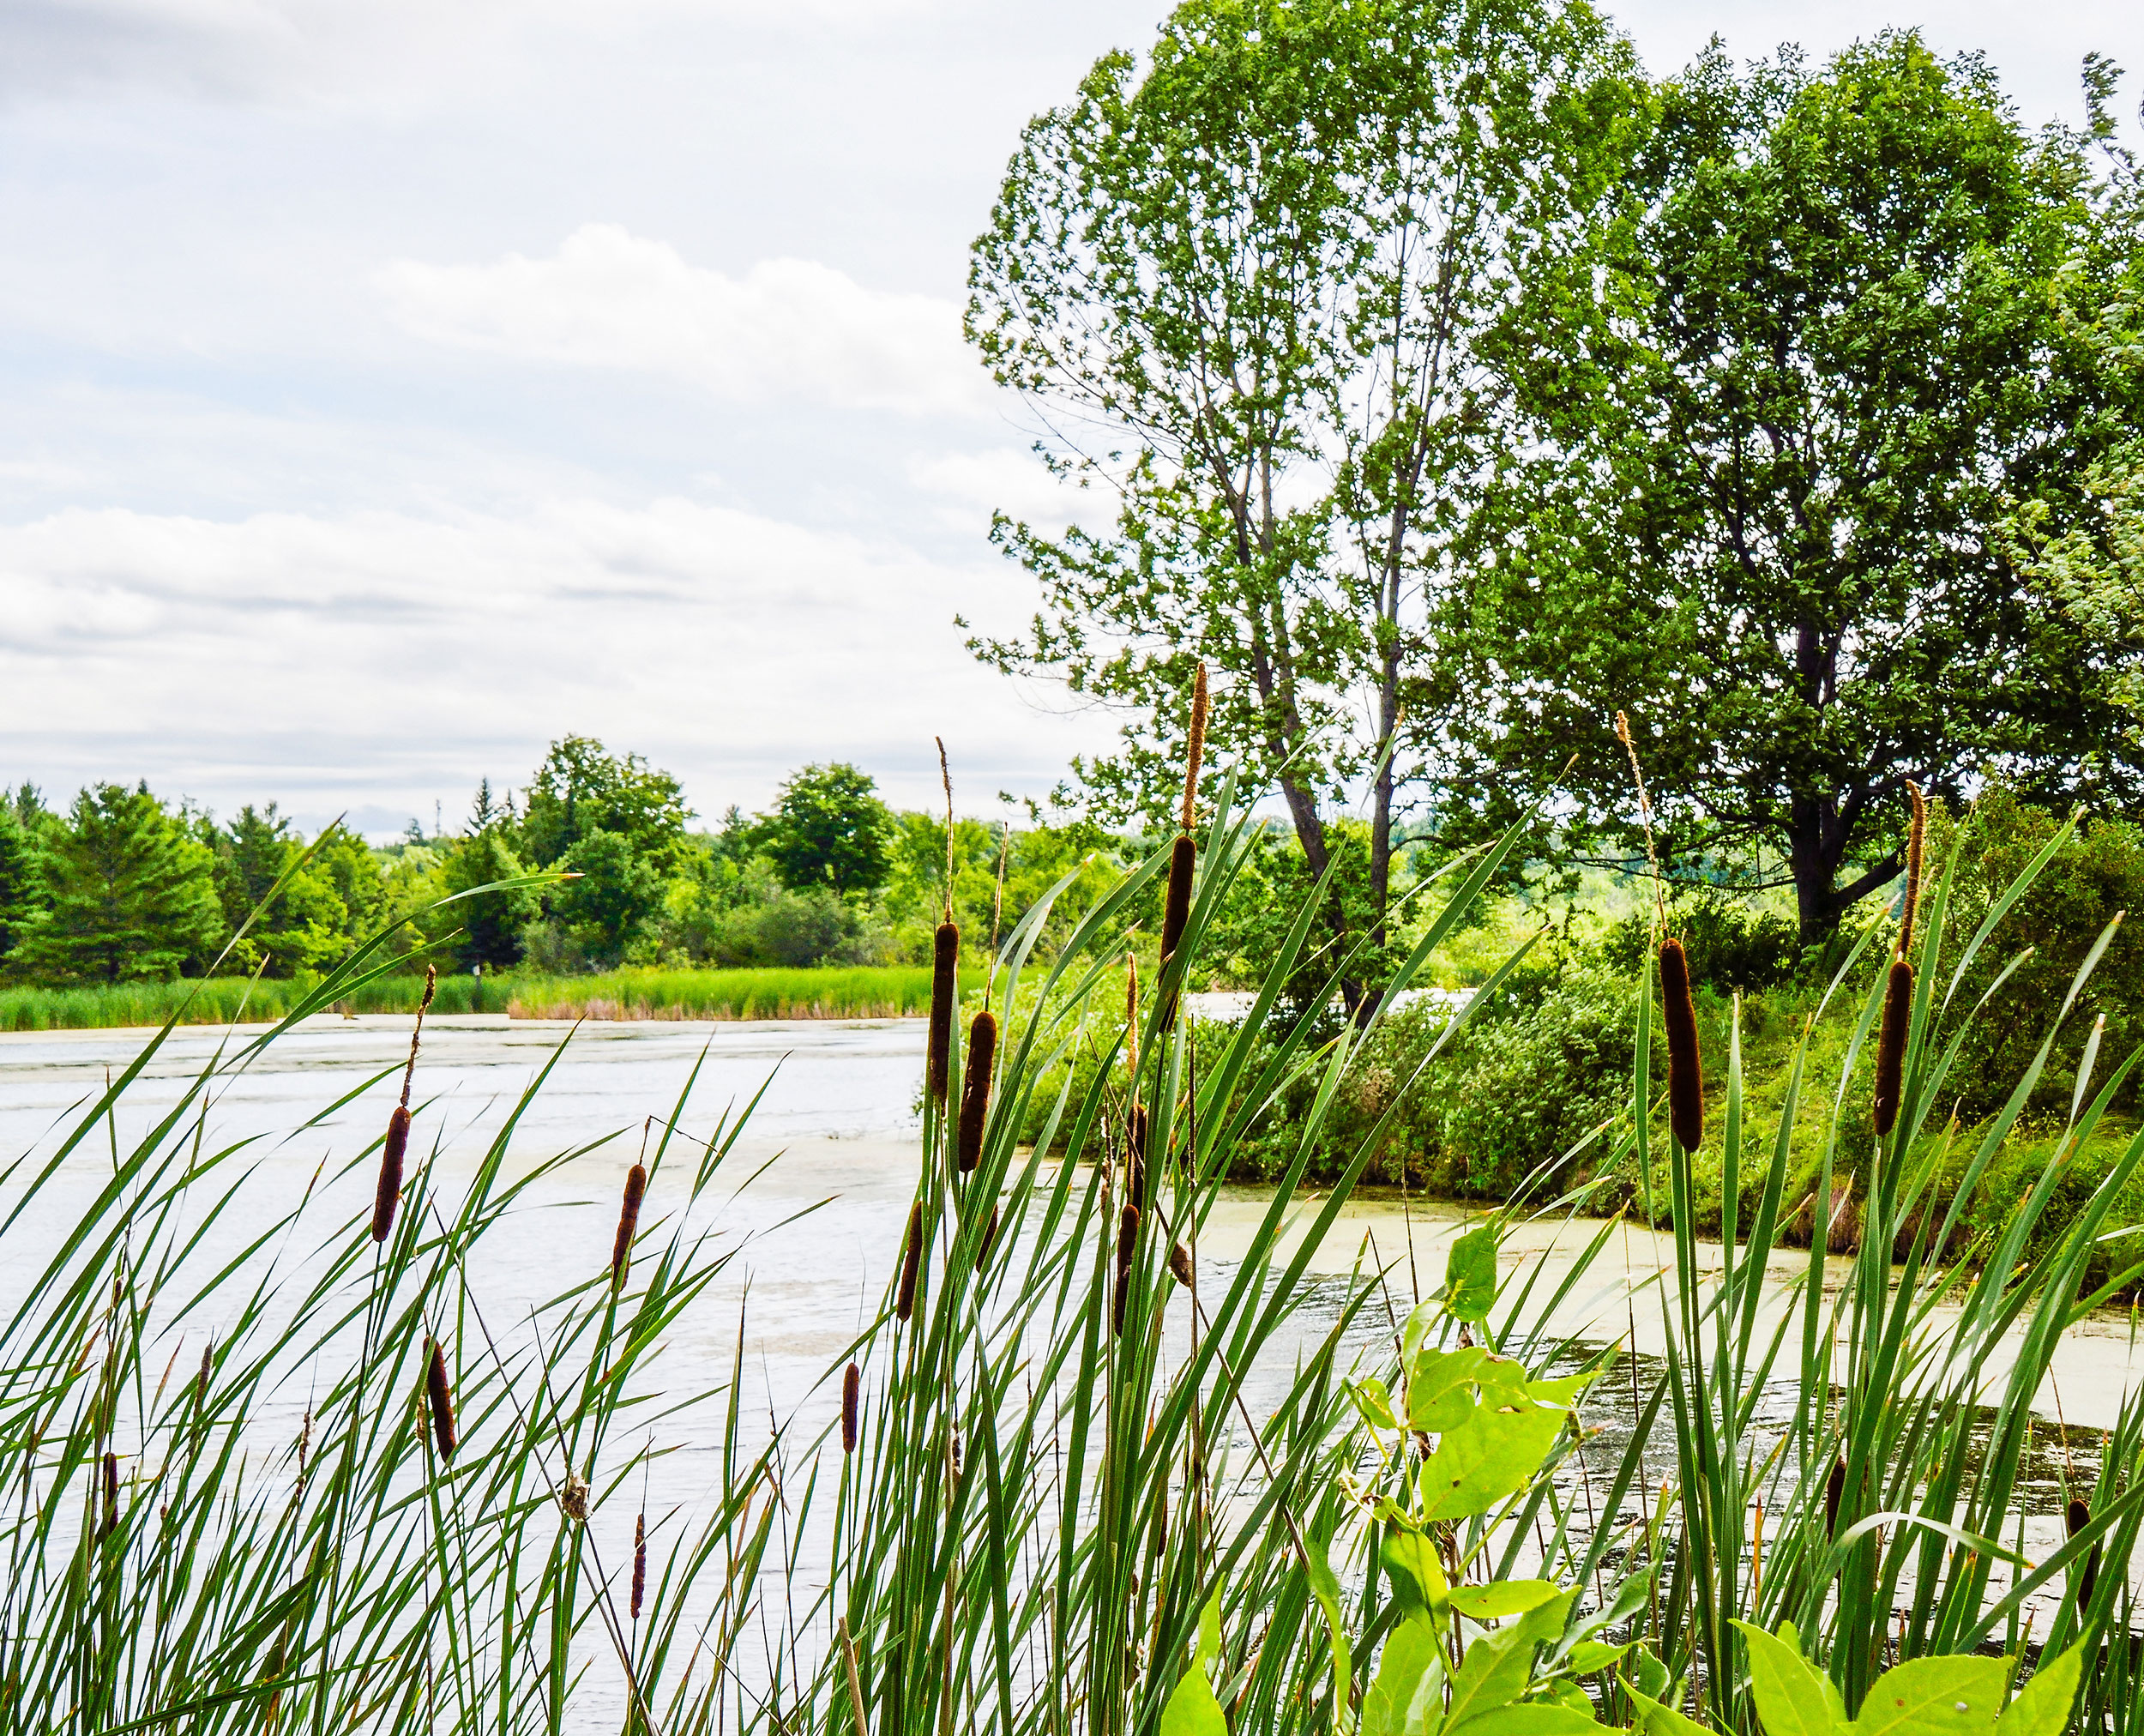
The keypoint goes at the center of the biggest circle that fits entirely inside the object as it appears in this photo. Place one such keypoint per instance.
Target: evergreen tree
(491, 923)
(22, 881)
(306, 926)
(133, 894)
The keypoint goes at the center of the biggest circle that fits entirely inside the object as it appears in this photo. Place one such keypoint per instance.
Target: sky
(388, 388)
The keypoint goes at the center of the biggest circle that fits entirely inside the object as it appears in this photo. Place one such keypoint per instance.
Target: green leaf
(2042, 1706)
(1325, 1588)
(1494, 1455)
(1534, 1719)
(1960, 1696)
(1506, 1597)
(1498, 1665)
(1649, 1673)
(1654, 1718)
(1374, 1403)
(1192, 1709)
(1589, 1655)
(1412, 1554)
(1407, 1696)
(1470, 1274)
(1789, 1692)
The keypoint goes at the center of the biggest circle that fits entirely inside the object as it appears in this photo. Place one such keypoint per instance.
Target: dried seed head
(416, 1030)
(1176, 917)
(390, 1188)
(945, 971)
(2075, 1517)
(1195, 749)
(1136, 1173)
(1180, 1266)
(628, 1221)
(911, 1264)
(640, 1563)
(1131, 1019)
(1127, 1242)
(111, 1522)
(440, 1398)
(1916, 834)
(207, 1363)
(990, 1235)
(1890, 1060)
(851, 1406)
(975, 1089)
(1834, 1492)
(573, 1499)
(1685, 1064)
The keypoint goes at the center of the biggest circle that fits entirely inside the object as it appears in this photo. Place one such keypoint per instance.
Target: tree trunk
(1820, 832)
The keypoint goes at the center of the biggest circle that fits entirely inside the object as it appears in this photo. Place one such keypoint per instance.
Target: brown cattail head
(207, 1364)
(1127, 1240)
(1834, 1492)
(1685, 1065)
(1135, 1176)
(109, 1523)
(945, 972)
(1890, 1061)
(391, 1157)
(2075, 1517)
(1131, 1020)
(911, 1264)
(1175, 912)
(1195, 749)
(851, 1406)
(441, 1398)
(628, 1222)
(990, 1235)
(640, 1563)
(1916, 834)
(975, 1089)
(1180, 1264)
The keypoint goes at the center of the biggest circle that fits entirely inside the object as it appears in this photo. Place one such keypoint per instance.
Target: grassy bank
(858, 992)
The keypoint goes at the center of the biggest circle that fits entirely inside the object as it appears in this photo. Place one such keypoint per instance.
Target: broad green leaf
(1534, 1719)
(1374, 1403)
(1789, 1692)
(1440, 1387)
(1192, 1709)
(1654, 1718)
(1407, 1696)
(1589, 1655)
(1494, 1455)
(1325, 1588)
(1505, 1597)
(1960, 1696)
(2042, 1706)
(1498, 1665)
(1649, 1673)
(1470, 1274)
(1414, 1556)
(1416, 1331)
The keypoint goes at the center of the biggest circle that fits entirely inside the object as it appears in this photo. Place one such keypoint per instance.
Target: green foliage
(616, 890)
(492, 922)
(1731, 946)
(22, 896)
(582, 788)
(828, 831)
(133, 893)
(307, 925)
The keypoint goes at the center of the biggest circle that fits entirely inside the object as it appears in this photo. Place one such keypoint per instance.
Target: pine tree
(134, 895)
(22, 881)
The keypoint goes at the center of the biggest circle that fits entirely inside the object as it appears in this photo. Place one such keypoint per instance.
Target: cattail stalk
(975, 1089)
(1916, 834)
(1176, 911)
(628, 1220)
(945, 971)
(111, 1522)
(1834, 1492)
(1195, 750)
(851, 1406)
(1136, 1172)
(395, 1151)
(640, 1563)
(440, 1396)
(989, 1236)
(1131, 1021)
(1127, 1241)
(1890, 1061)
(910, 1265)
(2075, 1517)
(1685, 1064)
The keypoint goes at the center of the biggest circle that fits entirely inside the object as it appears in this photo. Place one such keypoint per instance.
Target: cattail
(1180, 1264)
(640, 1563)
(628, 1221)
(2077, 1516)
(945, 961)
(442, 1399)
(200, 1383)
(1195, 749)
(1890, 1061)
(1916, 831)
(111, 1498)
(1131, 1019)
(975, 1088)
(1834, 1492)
(911, 1264)
(851, 1406)
(1685, 1068)
(390, 1189)
(1127, 1238)
(1135, 1155)
(1176, 913)
(990, 1235)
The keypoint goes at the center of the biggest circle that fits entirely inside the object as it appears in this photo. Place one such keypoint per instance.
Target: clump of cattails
(439, 1398)
(1183, 854)
(396, 1149)
(629, 1220)
(2075, 1517)
(640, 1564)
(1898, 988)
(851, 1406)
(1127, 1242)
(1685, 1060)
(975, 1089)
(982, 1244)
(911, 1264)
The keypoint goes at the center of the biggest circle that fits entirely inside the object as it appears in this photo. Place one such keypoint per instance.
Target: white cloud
(390, 658)
(787, 328)
(974, 485)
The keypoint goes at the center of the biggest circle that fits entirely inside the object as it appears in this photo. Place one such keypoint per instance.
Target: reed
(1685, 1060)
(975, 1088)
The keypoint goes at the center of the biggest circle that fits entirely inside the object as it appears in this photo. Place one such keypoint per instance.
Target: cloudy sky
(388, 387)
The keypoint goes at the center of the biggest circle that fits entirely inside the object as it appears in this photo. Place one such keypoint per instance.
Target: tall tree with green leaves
(1781, 416)
(1244, 284)
(828, 829)
(303, 924)
(134, 893)
(583, 787)
(22, 894)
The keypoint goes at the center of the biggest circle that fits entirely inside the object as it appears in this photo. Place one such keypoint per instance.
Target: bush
(1732, 948)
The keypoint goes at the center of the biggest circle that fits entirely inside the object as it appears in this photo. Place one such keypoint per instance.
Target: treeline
(120, 885)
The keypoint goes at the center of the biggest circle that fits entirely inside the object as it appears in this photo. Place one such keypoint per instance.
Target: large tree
(134, 893)
(583, 787)
(22, 881)
(829, 829)
(1783, 411)
(1244, 284)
